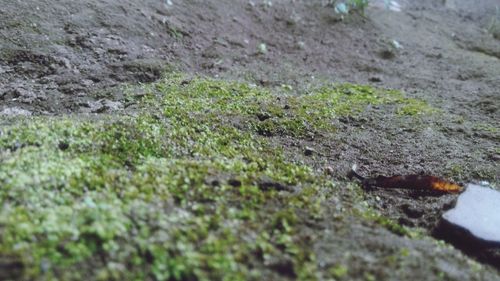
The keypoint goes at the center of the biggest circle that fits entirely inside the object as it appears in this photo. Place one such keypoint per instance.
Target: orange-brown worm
(417, 182)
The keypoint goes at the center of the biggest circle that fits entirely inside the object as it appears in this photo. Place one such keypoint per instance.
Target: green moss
(268, 114)
(413, 107)
(386, 222)
(455, 170)
(487, 128)
(369, 277)
(148, 196)
(338, 271)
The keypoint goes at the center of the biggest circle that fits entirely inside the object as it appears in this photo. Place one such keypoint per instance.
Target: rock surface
(14, 111)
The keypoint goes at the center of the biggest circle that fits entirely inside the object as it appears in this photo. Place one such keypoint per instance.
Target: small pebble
(234, 182)
(329, 170)
(309, 151)
(263, 48)
(63, 145)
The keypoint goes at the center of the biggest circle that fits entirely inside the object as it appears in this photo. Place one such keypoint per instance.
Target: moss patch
(186, 188)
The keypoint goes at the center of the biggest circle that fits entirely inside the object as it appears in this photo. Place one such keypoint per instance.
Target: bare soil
(76, 57)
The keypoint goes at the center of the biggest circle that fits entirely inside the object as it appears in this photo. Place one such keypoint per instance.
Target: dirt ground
(76, 57)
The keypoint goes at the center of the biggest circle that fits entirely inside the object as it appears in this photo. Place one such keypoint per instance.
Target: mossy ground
(186, 188)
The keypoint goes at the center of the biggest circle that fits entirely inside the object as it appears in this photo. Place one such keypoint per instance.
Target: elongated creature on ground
(415, 182)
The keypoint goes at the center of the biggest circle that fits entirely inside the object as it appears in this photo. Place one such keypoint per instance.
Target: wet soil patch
(484, 251)
(411, 208)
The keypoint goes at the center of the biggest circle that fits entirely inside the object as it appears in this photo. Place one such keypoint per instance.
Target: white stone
(478, 211)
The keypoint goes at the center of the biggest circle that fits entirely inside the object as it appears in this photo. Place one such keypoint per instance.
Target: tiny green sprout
(341, 8)
(262, 48)
(345, 7)
(494, 25)
(338, 271)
